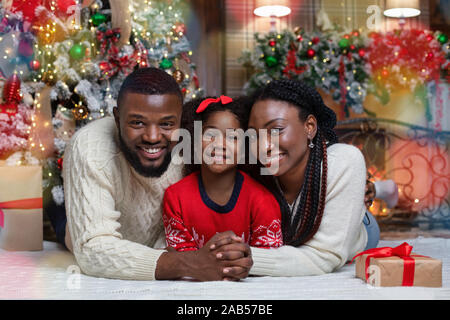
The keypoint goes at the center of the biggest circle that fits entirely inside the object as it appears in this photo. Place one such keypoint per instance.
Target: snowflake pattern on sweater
(191, 218)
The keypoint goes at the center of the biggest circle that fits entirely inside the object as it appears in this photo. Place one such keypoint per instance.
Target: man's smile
(152, 153)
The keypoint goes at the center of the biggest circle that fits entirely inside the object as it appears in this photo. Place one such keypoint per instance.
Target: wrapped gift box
(389, 267)
(21, 220)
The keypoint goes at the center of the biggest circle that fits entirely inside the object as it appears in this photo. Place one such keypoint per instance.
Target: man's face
(146, 123)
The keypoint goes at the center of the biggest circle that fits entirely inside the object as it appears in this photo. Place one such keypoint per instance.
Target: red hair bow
(205, 103)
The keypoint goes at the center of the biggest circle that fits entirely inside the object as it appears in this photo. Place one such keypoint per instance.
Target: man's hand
(228, 259)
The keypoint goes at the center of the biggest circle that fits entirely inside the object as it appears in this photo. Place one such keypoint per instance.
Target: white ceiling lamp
(402, 9)
(273, 9)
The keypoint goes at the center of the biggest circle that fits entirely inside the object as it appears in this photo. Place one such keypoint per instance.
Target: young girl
(216, 196)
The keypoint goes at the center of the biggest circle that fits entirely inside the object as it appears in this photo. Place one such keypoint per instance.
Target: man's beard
(133, 159)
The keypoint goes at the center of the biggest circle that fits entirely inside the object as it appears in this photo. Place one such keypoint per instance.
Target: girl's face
(220, 148)
(282, 119)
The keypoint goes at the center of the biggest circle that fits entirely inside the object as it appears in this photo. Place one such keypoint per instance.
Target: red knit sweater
(191, 218)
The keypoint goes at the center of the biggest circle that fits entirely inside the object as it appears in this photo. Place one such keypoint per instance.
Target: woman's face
(220, 147)
(281, 120)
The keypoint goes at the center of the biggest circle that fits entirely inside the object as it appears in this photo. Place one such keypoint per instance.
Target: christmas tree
(71, 57)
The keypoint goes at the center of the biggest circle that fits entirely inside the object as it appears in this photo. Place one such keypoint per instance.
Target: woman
(319, 184)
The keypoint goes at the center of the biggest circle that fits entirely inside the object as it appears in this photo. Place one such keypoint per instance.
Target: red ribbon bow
(32, 203)
(205, 103)
(402, 251)
(116, 64)
(108, 37)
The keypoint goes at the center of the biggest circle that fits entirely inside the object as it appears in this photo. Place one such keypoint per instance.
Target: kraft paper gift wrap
(390, 271)
(21, 204)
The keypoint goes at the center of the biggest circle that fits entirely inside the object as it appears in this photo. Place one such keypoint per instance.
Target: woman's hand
(234, 253)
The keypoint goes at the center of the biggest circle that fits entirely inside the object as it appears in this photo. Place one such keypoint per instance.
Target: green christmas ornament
(343, 43)
(271, 61)
(442, 38)
(77, 51)
(98, 19)
(166, 64)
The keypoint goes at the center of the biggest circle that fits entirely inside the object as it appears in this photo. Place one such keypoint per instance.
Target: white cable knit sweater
(341, 233)
(113, 213)
(115, 219)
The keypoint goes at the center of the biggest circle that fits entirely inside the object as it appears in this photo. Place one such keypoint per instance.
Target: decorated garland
(349, 65)
(334, 62)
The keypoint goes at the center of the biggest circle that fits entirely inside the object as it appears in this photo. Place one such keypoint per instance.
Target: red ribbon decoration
(291, 66)
(31, 203)
(108, 37)
(205, 103)
(114, 62)
(403, 251)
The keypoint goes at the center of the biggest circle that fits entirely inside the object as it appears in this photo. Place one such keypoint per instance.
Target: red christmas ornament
(429, 37)
(35, 65)
(311, 53)
(355, 33)
(385, 73)
(346, 36)
(315, 40)
(104, 66)
(352, 47)
(299, 38)
(60, 163)
(361, 52)
(430, 55)
(272, 42)
(11, 95)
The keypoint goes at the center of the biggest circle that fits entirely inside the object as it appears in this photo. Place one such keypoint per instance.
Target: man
(115, 173)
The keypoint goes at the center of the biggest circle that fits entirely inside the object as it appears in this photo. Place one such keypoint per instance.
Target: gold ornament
(178, 75)
(49, 78)
(80, 112)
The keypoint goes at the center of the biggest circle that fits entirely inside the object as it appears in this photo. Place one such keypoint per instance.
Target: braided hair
(300, 226)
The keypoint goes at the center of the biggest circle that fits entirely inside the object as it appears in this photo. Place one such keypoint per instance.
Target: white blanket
(52, 274)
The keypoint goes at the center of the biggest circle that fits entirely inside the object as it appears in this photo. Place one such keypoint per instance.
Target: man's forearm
(173, 265)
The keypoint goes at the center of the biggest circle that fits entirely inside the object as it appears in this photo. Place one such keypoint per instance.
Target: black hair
(239, 107)
(151, 81)
(299, 227)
